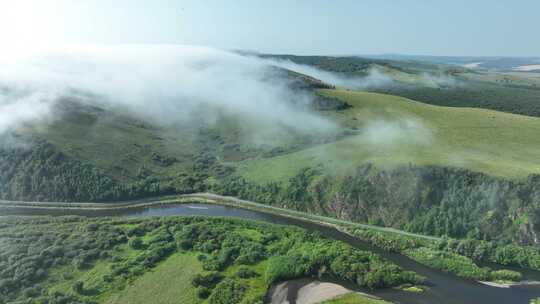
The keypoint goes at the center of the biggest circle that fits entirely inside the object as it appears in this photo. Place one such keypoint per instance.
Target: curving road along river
(444, 288)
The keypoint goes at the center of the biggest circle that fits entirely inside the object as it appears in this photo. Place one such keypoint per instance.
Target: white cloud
(396, 132)
(164, 84)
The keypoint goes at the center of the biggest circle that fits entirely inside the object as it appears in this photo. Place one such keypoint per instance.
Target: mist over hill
(246, 152)
(117, 123)
(164, 85)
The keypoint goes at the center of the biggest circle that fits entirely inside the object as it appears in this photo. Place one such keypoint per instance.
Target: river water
(443, 288)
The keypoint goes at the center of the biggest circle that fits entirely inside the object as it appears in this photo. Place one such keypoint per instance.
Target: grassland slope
(391, 131)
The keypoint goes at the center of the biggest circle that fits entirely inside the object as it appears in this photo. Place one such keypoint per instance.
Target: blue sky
(457, 27)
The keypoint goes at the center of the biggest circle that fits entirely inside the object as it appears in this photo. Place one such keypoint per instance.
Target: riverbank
(441, 286)
(509, 284)
(310, 291)
(342, 226)
(207, 198)
(136, 249)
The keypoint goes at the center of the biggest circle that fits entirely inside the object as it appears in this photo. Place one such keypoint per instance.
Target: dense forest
(99, 257)
(429, 200)
(353, 65)
(38, 171)
(42, 173)
(517, 100)
(424, 199)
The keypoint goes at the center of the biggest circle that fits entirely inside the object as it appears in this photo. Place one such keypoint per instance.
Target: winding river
(443, 288)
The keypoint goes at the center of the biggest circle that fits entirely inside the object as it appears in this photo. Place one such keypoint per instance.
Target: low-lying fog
(170, 84)
(164, 84)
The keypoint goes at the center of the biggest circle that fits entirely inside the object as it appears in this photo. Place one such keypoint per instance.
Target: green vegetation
(448, 262)
(457, 172)
(187, 259)
(405, 183)
(25, 174)
(441, 85)
(144, 160)
(520, 98)
(169, 282)
(414, 289)
(407, 132)
(426, 200)
(505, 275)
(508, 79)
(428, 197)
(354, 298)
(503, 254)
(459, 257)
(357, 66)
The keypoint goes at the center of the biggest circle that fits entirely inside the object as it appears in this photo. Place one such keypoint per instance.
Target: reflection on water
(197, 207)
(444, 288)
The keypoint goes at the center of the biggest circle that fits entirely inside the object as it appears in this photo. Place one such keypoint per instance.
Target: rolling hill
(386, 160)
(391, 131)
(431, 81)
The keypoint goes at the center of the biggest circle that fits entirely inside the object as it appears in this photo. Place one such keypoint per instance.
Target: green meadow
(391, 131)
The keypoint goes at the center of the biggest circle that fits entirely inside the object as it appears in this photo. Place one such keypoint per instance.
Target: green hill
(388, 161)
(389, 131)
(433, 82)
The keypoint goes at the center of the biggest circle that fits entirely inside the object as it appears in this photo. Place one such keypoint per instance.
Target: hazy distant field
(532, 67)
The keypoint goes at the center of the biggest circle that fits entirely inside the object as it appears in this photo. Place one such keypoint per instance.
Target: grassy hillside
(436, 82)
(391, 161)
(435, 170)
(128, 149)
(381, 129)
(401, 132)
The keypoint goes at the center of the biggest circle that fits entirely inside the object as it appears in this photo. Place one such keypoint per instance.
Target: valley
(269, 152)
(438, 195)
(462, 172)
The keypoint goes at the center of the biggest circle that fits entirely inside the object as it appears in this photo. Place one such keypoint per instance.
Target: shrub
(107, 278)
(251, 254)
(135, 231)
(505, 275)
(209, 279)
(245, 273)
(31, 292)
(448, 261)
(78, 287)
(203, 292)
(136, 243)
(227, 292)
